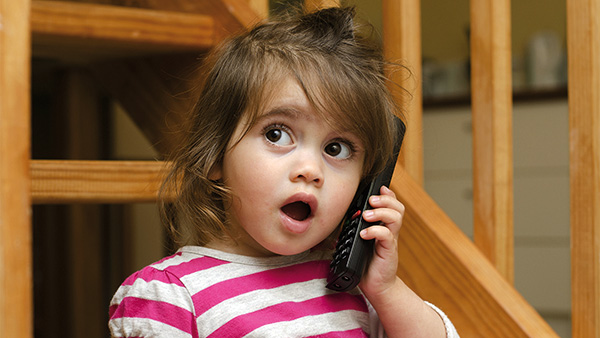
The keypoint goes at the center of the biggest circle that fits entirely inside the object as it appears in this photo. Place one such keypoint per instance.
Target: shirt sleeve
(152, 303)
(450, 330)
(378, 331)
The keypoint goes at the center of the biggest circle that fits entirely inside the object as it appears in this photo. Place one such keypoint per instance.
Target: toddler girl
(292, 116)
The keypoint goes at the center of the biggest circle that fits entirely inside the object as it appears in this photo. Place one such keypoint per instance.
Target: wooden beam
(231, 16)
(80, 31)
(583, 38)
(402, 44)
(64, 182)
(492, 132)
(16, 282)
(443, 266)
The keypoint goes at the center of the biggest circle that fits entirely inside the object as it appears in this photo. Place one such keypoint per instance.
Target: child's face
(292, 176)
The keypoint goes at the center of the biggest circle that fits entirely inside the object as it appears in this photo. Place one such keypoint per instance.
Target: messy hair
(341, 74)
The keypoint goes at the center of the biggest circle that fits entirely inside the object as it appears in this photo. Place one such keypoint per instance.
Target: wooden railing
(492, 132)
(583, 38)
(16, 280)
(471, 281)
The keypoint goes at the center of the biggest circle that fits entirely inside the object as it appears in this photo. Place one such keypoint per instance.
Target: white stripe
(120, 294)
(143, 327)
(155, 290)
(256, 300)
(314, 325)
(173, 261)
(200, 280)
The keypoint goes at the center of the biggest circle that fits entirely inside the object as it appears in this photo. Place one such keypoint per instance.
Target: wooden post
(402, 44)
(492, 132)
(261, 7)
(16, 303)
(583, 37)
(81, 104)
(313, 5)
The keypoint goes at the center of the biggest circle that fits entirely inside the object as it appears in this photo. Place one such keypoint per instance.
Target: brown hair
(341, 73)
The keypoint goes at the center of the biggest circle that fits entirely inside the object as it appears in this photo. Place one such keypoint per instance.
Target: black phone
(352, 253)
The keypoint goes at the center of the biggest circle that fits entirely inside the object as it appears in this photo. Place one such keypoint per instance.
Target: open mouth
(297, 210)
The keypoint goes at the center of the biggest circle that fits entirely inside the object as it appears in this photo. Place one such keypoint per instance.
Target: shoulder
(155, 300)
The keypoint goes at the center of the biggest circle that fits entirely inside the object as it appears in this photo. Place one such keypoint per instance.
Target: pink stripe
(242, 325)
(358, 332)
(150, 273)
(213, 295)
(195, 265)
(166, 313)
(138, 274)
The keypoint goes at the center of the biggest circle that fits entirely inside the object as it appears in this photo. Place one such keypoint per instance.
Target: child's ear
(215, 173)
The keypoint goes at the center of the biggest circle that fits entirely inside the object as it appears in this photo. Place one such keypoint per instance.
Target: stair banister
(16, 280)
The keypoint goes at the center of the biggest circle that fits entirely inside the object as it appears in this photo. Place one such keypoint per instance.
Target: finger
(384, 236)
(392, 218)
(387, 191)
(386, 201)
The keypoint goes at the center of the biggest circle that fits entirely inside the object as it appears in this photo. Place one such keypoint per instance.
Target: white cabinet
(541, 194)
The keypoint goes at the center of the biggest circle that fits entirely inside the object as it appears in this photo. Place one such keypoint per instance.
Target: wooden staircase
(142, 53)
(81, 32)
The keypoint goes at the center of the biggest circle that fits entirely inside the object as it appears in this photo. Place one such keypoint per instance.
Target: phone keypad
(344, 244)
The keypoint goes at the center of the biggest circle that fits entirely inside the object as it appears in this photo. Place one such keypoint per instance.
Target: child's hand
(381, 273)
(402, 312)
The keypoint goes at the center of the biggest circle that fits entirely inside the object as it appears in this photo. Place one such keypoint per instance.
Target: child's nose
(308, 168)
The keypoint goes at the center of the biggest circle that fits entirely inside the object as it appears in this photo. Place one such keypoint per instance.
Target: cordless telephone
(352, 253)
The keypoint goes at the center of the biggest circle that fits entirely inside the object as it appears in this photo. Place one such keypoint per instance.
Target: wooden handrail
(583, 38)
(16, 265)
(492, 132)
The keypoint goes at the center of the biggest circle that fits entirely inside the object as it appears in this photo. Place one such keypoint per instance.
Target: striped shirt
(200, 292)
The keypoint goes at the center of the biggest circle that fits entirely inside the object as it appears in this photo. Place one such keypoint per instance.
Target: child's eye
(278, 136)
(339, 150)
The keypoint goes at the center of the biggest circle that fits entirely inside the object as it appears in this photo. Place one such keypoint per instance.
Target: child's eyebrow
(287, 112)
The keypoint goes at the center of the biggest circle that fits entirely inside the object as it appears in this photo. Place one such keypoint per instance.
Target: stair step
(82, 32)
(67, 182)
